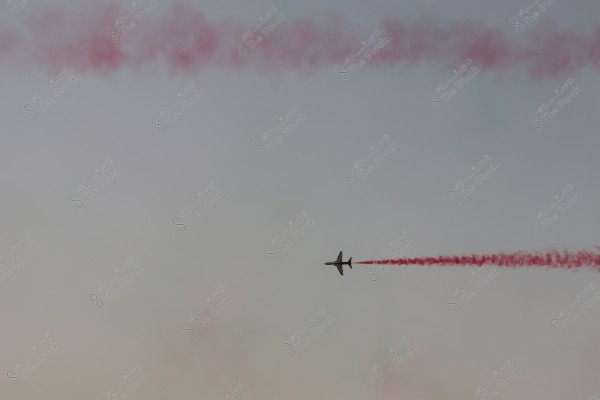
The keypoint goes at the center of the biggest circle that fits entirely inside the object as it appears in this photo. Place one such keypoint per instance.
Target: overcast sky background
(45, 159)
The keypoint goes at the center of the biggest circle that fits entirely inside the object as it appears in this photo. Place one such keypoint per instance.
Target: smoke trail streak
(187, 41)
(553, 259)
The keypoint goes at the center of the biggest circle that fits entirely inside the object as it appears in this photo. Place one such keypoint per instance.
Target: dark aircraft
(338, 263)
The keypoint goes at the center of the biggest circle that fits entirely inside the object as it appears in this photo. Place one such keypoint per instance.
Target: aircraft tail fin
(350, 262)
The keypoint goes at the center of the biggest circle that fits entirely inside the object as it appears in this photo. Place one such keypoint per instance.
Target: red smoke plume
(566, 259)
(183, 38)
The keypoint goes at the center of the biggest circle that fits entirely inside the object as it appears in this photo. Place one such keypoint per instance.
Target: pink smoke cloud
(187, 41)
(552, 259)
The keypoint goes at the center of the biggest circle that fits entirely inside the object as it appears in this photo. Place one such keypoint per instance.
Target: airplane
(339, 263)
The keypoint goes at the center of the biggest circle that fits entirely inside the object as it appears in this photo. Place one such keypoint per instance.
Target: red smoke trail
(181, 36)
(566, 259)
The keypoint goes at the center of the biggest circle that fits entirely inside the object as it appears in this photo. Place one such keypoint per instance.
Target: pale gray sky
(45, 159)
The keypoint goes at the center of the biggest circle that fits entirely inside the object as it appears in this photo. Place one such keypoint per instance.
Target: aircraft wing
(339, 257)
(340, 269)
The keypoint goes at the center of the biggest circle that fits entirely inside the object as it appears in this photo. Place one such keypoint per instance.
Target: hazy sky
(305, 190)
